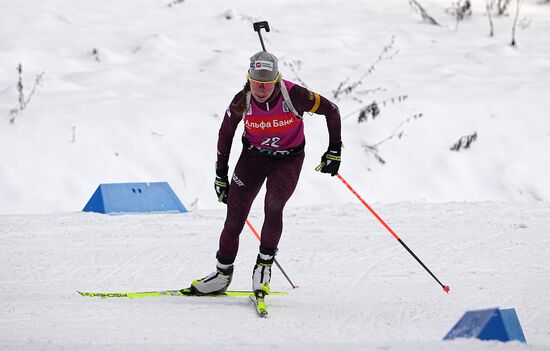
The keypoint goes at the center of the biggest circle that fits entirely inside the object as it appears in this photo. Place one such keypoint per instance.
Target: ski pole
(274, 259)
(258, 27)
(445, 287)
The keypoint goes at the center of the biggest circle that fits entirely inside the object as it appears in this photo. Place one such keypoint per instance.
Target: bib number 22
(271, 142)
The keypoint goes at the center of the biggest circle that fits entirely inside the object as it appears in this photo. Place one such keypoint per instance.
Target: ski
(259, 302)
(182, 292)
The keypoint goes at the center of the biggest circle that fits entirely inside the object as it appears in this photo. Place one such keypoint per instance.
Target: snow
(135, 92)
(358, 288)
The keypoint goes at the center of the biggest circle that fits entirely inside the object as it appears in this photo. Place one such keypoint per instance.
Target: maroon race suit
(273, 151)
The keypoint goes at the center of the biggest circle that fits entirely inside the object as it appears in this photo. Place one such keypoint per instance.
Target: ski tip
(446, 289)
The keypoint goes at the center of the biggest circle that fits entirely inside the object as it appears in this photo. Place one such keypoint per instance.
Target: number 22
(271, 141)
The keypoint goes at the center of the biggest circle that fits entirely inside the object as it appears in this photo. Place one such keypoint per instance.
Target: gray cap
(263, 66)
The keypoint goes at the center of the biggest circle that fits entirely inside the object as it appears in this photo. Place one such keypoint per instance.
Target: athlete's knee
(234, 225)
(274, 208)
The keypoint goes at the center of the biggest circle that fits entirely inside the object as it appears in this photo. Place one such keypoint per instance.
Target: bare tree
(518, 6)
(492, 28)
(502, 6)
(460, 10)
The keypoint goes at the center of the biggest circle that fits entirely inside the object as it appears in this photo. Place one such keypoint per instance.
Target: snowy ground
(135, 91)
(359, 289)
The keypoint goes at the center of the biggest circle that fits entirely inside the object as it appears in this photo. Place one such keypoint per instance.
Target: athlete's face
(262, 91)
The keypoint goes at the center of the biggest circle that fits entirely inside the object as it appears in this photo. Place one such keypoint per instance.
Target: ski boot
(261, 275)
(216, 282)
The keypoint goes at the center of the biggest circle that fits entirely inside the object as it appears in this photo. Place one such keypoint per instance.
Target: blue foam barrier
(489, 324)
(119, 198)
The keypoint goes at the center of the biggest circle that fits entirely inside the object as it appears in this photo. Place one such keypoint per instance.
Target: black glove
(330, 161)
(221, 184)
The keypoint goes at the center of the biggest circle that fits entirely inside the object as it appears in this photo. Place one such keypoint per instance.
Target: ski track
(358, 286)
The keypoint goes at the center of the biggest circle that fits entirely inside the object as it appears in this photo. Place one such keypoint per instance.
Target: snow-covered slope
(359, 289)
(136, 91)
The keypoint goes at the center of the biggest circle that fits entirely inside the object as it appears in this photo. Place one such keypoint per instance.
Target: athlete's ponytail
(241, 104)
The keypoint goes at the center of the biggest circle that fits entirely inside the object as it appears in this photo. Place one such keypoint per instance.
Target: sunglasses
(257, 83)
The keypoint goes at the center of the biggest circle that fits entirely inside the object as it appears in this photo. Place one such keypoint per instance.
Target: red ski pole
(274, 259)
(445, 287)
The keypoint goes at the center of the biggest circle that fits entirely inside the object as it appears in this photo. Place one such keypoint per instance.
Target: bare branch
(464, 142)
(345, 88)
(425, 16)
(397, 132)
(295, 66)
(22, 101)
